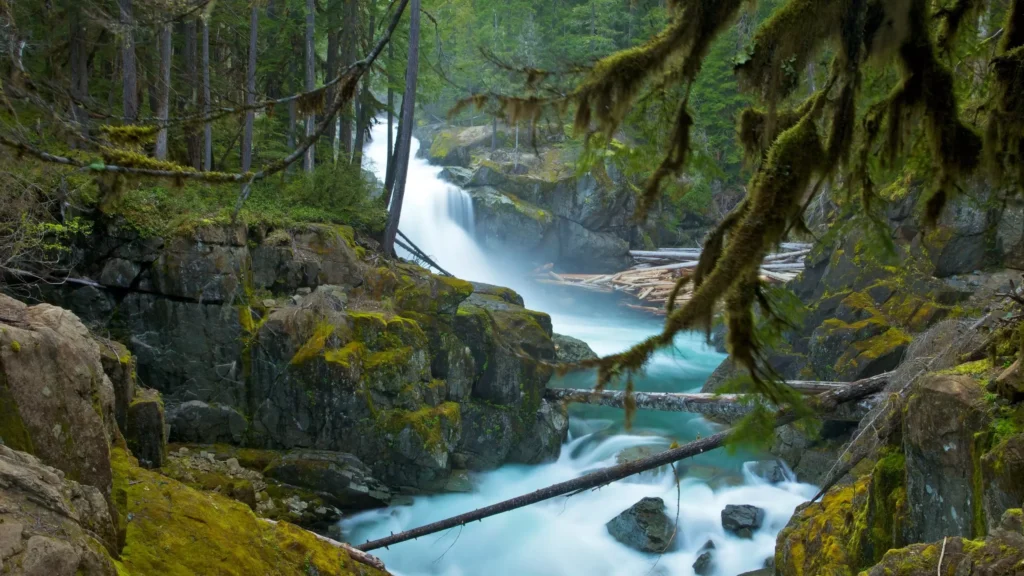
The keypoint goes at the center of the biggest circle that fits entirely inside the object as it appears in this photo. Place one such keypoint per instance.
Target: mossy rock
(177, 530)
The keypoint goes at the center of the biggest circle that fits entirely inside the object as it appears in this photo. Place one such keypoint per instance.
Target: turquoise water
(567, 535)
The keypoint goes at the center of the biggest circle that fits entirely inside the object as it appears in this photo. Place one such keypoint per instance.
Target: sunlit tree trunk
(390, 168)
(207, 126)
(404, 144)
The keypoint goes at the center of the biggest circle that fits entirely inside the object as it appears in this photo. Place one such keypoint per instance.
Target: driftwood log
(822, 404)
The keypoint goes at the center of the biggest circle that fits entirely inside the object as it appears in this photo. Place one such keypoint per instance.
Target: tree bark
(390, 168)
(79, 56)
(362, 118)
(349, 38)
(163, 103)
(331, 69)
(822, 404)
(310, 80)
(250, 91)
(207, 105)
(192, 139)
(405, 136)
(129, 80)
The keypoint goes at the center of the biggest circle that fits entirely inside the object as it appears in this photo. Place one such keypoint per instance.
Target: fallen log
(353, 553)
(717, 406)
(822, 404)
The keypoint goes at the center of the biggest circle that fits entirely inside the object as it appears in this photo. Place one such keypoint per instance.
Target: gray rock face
(942, 415)
(56, 402)
(340, 477)
(543, 442)
(742, 520)
(644, 526)
(145, 430)
(569, 349)
(200, 423)
(50, 526)
(771, 471)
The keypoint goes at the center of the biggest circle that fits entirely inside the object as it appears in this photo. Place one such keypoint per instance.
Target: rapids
(567, 536)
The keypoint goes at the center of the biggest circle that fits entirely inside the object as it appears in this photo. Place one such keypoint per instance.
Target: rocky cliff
(305, 338)
(74, 502)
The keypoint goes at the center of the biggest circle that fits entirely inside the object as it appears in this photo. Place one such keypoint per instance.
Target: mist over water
(567, 536)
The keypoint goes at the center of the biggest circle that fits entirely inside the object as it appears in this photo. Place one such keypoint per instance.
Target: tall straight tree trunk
(163, 101)
(331, 70)
(79, 56)
(207, 125)
(192, 138)
(349, 38)
(250, 91)
(390, 168)
(129, 81)
(362, 117)
(494, 133)
(389, 176)
(307, 163)
(405, 135)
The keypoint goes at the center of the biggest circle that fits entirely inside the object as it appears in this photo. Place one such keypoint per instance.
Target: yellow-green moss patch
(429, 423)
(315, 345)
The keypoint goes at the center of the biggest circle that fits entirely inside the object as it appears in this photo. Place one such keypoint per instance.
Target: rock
(942, 418)
(340, 477)
(119, 366)
(459, 481)
(146, 433)
(742, 520)
(1002, 471)
(201, 423)
(119, 273)
(543, 442)
(488, 434)
(51, 526)
(759, 572)
(569, 349)
(56, 401)
(1010, 383)
(703, 566)
(771, 471)
(709, 545)
(644, 526)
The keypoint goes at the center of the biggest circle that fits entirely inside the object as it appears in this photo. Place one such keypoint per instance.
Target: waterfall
(436, 215)
(567, 536)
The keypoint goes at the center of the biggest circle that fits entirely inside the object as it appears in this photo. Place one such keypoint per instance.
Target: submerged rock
(644, 526)
(704, 565)
(771, 471)
(742, 520)
(569, 349)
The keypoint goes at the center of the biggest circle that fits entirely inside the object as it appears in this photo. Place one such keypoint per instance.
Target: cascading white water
(567, 536)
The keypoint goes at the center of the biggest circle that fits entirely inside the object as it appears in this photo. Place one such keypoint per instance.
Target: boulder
(201, 423)
(340, 477)
(771, 471)
(146, 432)
(49, 525)
(119, 366)
(704, 564)
(488, 435)
(1010, 383)
(742, 520)
(569, 349)
(543, 441)
(644, 526)
(942, 418)
(56, 402)
(1002, 470)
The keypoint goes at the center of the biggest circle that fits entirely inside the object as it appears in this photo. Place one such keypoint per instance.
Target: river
(567, 536)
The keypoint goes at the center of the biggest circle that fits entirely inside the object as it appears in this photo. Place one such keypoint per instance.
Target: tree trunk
(310, 80)
(823, 404)
(129, 83)
(79, 56)
(207, 105)
(163, 104)
(333, 47)
(405, 135)
(390, 168)
(494, 133)
(192, 139)
(349, 38)
(250, 91)
(362, 117)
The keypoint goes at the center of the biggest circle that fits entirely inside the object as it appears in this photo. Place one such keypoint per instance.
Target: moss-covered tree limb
(822, 404)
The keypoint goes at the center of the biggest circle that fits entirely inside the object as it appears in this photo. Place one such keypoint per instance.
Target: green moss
(15, 346)
(178, 531)
(888, 506)
(977, 368)
(442, 145)
(13, 432)
(346, 355)
(315, 345)
(430, 423)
